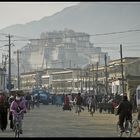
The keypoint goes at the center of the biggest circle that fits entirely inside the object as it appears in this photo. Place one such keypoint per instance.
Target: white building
(3, 78)
(62, 49)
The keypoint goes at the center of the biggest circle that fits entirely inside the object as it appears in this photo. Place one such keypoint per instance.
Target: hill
(91, 18)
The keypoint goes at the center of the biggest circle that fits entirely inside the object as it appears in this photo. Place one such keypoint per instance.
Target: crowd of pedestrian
(21, 102)
(13, 103)
(68, 101)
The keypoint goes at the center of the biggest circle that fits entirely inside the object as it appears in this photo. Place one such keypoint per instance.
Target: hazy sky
(23, 12)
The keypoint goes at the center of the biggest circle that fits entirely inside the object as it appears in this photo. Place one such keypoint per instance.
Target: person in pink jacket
(18, 107)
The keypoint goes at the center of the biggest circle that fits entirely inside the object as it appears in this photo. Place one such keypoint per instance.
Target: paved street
(52, 121)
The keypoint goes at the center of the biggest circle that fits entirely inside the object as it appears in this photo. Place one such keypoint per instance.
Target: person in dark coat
(79, 102)
(3, 111)
(124, 111)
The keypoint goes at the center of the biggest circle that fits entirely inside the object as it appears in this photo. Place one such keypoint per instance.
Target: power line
(3, 34)
(4, 50)
(2, 46)
(3, 40)
(17, 36)
(115, 42)
(74, 36)
(132, 46)
(102, 34)
(22, 40)
(137, 30)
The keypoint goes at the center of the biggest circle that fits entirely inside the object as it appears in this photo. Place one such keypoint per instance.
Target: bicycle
(17, 122)
(135, 127)
(127, 128)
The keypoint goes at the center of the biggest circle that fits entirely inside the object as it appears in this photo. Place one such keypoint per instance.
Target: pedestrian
(32, 101)
(37, 99)
(66, 103)
(92, 104)
(28, 100)
(3, 111)
(88, 100)
(10, 100)
(79, 102)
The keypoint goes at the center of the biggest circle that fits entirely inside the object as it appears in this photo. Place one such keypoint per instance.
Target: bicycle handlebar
(16, 113)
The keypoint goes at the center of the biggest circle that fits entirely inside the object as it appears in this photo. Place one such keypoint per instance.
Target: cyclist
(124, 111)
(18, 107)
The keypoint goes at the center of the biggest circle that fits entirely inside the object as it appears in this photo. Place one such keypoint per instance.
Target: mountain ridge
(88, 17)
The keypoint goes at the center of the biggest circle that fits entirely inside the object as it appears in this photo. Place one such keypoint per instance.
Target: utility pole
(81, 75)
(122, 68)
(97, 64)
(89, 79)
(93, 77)
(9, 72)
(4, 63)
(18, 76)
(85, 80)
(96, 80)
(18, 69)
(106, 76)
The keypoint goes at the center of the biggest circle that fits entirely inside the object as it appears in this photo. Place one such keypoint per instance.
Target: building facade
(3, 77)
(131, 69)
(88, 78)
(61, 49)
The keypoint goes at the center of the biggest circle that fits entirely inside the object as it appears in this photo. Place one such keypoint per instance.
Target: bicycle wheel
(135, 126)
(119, 133)
(128, 130)
(17, 132)
(78, 111)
